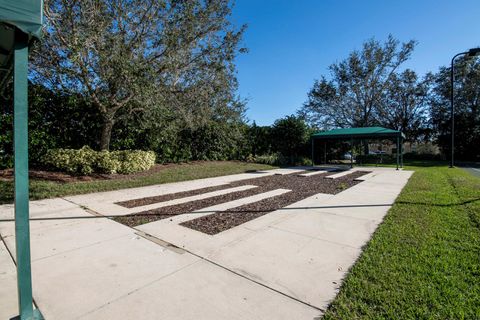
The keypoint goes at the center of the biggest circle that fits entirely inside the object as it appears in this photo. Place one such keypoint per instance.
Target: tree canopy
(355, 94)
(467, 108)
(406, 105)
(140, 56)
(161, 76)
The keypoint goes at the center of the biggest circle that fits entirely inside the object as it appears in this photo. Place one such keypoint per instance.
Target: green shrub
(303, 161)
(277, 159)
(250, 158)
(271, 159)
(86, 161)
(131, 161)
(106, 162)
(70, 160)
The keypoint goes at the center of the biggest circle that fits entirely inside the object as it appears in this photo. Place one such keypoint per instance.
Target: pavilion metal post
(325, 152)
(351, 153)
(313, 159)
(20, 143)
(398, 151)
(401, 152)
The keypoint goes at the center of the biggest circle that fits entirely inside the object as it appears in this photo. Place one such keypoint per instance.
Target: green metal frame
(313, 147)
(351, 153)
(398, 151)
(20, 25)
(22, 226)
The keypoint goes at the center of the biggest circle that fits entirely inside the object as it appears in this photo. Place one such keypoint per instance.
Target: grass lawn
(423, 261)
(40, 189)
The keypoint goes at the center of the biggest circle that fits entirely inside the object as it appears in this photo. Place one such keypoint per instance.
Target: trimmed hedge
(86, 161)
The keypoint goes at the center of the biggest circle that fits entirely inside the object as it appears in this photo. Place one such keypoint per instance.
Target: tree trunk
(106, 133)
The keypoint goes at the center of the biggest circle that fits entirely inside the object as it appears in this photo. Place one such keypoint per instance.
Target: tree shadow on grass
(455, 204)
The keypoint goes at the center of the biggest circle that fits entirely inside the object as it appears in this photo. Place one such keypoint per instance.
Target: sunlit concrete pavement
(287, 264)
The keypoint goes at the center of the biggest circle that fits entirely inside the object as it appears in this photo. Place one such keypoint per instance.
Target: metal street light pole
(471, 53)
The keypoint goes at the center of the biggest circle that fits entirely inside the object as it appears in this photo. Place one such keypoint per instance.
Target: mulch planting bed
(170, 196)
(301, 187)
(173, 210)
(62, 177)
(183, 194)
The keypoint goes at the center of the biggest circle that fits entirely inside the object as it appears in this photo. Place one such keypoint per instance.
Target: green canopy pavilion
(363, 133)
(20, 25)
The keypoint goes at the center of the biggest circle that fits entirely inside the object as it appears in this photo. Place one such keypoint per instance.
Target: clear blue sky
(292, 42)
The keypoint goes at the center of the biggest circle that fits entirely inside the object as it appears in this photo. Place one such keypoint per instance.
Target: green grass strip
(423, 261)
(40, 189)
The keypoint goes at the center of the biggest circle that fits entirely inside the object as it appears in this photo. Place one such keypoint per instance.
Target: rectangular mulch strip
(170, 196)
(301, 189)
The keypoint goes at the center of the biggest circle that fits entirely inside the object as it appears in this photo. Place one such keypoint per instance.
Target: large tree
(353, 95)
(405, 105)
(290, 136)
(467, 108)
(126, 56)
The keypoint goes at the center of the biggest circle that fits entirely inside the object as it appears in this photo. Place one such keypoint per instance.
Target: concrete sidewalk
(287, 264)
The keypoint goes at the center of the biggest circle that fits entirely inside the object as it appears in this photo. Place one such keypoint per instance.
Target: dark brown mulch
(173, 210)
(38, 174)
(55, 176)
(263, 184)
(292, 182)
(170, 196)
(301, 188)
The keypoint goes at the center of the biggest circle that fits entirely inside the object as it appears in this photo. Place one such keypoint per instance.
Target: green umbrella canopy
(24, 15)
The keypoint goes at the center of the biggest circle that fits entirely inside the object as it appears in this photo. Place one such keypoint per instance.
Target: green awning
(24, 15)
(358, 133)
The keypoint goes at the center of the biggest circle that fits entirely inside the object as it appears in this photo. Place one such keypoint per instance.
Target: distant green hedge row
(277, 159)
(87, 161)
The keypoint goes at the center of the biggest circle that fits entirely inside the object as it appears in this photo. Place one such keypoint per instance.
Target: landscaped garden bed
(51, 184)
(167, 197)
(301, 187)
(40, 174)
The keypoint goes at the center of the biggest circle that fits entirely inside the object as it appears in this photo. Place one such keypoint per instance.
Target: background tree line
(161, 75)
(370, 88)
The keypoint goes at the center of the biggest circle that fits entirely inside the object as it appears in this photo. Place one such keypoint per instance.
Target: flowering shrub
(86, 161)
